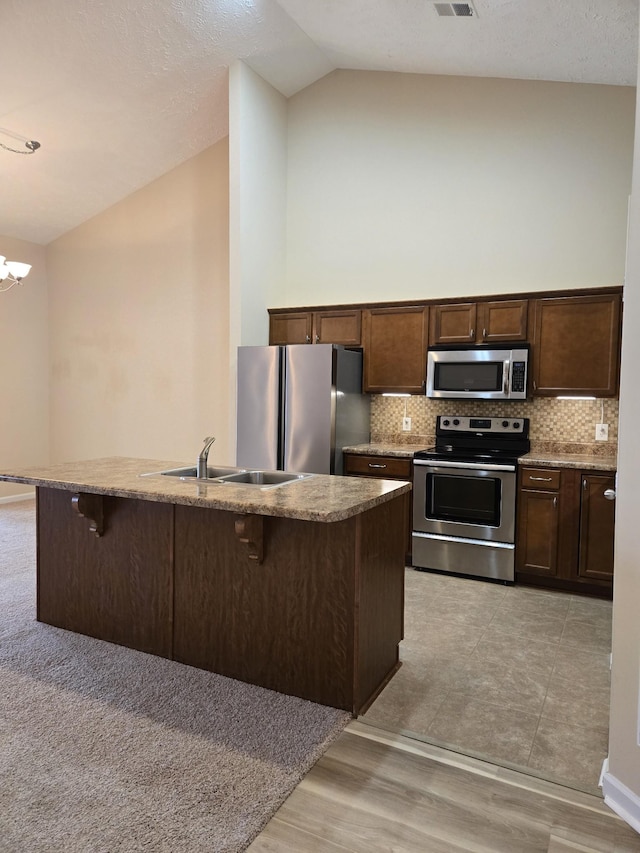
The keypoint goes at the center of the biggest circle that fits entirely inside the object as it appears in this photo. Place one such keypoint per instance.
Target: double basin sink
(235, 476)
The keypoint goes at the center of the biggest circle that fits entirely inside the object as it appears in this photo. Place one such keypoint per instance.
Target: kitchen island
(297, 588)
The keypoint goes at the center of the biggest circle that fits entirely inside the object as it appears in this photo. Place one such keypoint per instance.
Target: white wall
(622, 782)
(24, 365)
(139, 321)
(257, 210)
(405, 186)
(258, 187)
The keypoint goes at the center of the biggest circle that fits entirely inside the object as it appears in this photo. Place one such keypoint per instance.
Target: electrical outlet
(602, 432)
(406, 424)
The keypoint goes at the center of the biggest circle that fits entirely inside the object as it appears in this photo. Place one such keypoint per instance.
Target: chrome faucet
(203, 458)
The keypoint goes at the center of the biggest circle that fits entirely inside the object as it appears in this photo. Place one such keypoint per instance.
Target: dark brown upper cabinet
(576, 345)
(478, 322)
(502, 321)
(316, 327)
(290, 328)
(453, 324)
(337, 327)
(395, 349)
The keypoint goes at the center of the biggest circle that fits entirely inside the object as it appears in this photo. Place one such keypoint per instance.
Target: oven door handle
(474, 466)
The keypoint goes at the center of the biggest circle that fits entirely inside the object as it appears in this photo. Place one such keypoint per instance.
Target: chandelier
(11, 272)
(30, 145)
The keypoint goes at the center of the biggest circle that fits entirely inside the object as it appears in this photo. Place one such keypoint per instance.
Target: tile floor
(514, 675)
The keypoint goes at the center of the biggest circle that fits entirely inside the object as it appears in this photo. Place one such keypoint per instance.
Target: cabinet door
(502, 321)
(538, 523)
(453, 324)
(596, 527)
(395, 349)
(290, 328)
(576, 345)
(388, 468)
(337, 327)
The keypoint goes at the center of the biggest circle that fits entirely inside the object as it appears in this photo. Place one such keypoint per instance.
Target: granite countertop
(385, 449)
(319, 498)
(555, 459)
(570, 460)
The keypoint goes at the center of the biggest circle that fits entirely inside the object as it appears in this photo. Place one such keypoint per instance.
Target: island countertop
(319, 498)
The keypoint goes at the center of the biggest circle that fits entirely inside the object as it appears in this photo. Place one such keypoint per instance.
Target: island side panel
(116, 587)
(380, 597)
(286, 623)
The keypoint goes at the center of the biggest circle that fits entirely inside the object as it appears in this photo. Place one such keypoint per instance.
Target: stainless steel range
(464, 496)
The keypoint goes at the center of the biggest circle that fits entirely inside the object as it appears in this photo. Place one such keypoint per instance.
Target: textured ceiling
(118, 92)
(583, 41)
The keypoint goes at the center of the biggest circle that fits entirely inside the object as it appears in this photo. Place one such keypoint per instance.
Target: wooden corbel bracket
(90, 507)
(250, 531)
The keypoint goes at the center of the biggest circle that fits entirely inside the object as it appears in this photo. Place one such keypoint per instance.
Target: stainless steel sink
(265, 479)
(233, 476)
(192, 472)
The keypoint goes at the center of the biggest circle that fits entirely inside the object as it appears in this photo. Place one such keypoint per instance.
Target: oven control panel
(486, 426)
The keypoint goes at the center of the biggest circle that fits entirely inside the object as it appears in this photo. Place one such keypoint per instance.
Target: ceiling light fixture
(30, 144)
(12, 272)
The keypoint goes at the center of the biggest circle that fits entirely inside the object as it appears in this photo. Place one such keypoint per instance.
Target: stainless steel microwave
(478, 372)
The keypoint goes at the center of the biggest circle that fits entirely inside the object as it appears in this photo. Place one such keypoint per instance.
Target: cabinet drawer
(392, 467)
(540, 478)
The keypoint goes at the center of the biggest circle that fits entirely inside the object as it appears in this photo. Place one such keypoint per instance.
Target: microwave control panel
(518, 376)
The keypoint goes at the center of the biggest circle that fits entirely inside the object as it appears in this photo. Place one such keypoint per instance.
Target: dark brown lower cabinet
(565, 529)
(318, 615)
(538, 532)
(597, 522)
(387, 468)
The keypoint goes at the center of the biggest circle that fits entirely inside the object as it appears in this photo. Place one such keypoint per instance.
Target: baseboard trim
(11, 499)
(621, 800)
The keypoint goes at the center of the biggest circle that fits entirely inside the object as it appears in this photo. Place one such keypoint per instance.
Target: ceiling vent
(457, 10)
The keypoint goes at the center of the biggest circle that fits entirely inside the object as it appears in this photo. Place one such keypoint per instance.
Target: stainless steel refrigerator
(298, 406)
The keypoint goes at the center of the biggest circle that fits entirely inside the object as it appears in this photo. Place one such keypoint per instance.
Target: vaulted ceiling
(118, 93)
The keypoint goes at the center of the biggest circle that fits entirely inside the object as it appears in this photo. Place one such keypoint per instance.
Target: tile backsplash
(562, 425)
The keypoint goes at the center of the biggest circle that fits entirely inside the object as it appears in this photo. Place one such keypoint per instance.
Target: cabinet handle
(610, 494)
(317, 338)
(484, 333)
(542, 479)
(307, 339)
(555, 502)
(584, 484)
(471, 333)
(534, 385)
(376, 465)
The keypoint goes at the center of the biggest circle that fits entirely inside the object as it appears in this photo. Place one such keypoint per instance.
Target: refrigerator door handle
(282, 407)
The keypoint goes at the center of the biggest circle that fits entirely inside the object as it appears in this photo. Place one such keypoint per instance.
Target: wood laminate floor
(375, 791)
(513, 675)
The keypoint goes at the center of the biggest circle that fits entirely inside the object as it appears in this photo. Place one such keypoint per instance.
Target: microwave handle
(506, 368)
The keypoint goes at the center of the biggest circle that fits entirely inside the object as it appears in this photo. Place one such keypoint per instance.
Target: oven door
(465, 499)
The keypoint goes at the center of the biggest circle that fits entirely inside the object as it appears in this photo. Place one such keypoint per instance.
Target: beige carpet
(105, 750)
